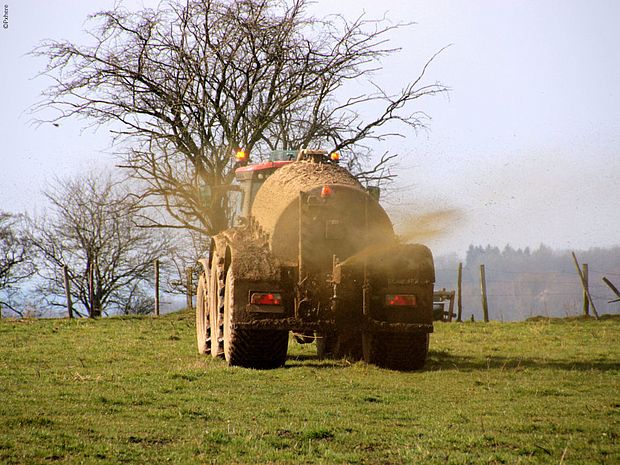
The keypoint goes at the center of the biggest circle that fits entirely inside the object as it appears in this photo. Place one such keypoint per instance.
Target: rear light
(400, 300)
(266, 298)
(241, 156)
(326, 191)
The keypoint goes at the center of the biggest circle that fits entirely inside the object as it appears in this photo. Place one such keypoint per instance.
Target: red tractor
(313, 252)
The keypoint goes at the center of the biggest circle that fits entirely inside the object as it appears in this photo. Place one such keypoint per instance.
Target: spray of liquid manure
(414, 229)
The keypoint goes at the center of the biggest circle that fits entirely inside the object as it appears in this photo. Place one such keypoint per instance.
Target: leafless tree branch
(185, 85)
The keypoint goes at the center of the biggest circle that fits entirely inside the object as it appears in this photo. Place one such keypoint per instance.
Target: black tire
(326, 345)
(333, 345)
(216, 307)
(203, 330)
(350, 345)
(396, 351)
(250, 348)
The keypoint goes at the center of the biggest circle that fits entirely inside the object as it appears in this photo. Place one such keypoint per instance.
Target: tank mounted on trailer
(313, 252)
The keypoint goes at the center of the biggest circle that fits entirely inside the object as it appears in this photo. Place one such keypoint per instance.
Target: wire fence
(514, 294)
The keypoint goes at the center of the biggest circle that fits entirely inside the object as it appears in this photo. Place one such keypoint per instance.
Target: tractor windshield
(251, 178)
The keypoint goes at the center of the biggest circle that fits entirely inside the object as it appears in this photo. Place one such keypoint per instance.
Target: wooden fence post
(459, 284)
(584, 285)
(65, 272)
(586, 301)
(451, 307)
(156, 266)
(613, 288)
(483, 290)
(190, 287)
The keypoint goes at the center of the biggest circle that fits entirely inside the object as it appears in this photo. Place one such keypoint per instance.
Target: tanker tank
(349, 220)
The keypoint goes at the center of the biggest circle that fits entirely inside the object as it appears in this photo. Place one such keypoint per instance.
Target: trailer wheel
(326, 345)
(333, 345)
(250, 348)
(215, 296)
(396, 351)
(203, 332)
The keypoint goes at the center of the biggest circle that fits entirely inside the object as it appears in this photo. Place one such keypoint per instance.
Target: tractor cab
(252, 177)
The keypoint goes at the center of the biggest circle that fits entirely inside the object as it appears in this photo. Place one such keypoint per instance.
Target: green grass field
(133, 390)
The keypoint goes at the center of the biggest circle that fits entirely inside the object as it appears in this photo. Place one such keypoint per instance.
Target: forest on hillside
(522, 283)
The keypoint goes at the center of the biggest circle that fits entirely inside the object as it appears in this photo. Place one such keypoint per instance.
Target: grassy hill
(133, 390)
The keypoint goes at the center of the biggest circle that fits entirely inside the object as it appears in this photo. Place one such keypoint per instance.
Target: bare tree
(93, 230)
(187, 84)
(189, 247)
(16, 263)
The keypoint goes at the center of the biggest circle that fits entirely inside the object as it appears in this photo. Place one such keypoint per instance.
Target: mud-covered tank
(338, 216)
(314, 254)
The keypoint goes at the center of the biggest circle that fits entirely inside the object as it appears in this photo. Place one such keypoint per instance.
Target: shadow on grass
(313, 361)
(448, 361)
(438, 360)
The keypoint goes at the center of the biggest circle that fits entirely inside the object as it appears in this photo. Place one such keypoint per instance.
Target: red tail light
(400, 300)
(326, 191)
(266, 298)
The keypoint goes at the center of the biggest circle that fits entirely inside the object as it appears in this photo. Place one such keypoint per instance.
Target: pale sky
(526, 145)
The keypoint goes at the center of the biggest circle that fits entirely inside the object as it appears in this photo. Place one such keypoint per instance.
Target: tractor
(313, 252)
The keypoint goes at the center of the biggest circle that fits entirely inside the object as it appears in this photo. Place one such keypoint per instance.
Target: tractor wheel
(396, 351)
(216, 307)
(203, 331)
(326, 345)
(350, 345)
(250, 348)
(339, 345)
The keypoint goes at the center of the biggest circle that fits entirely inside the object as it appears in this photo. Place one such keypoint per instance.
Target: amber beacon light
(241, 156)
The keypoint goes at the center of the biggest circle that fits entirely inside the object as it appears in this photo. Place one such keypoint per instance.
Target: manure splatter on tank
(283, 187)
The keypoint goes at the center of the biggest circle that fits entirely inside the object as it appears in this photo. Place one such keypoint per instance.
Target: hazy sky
(526, 145)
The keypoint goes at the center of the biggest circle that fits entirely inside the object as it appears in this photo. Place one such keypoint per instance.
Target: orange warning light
(241, 156)
(335, 156)
(326, 191)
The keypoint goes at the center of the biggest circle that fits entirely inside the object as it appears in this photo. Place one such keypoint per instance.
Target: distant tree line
(527, 282)
(93, 235)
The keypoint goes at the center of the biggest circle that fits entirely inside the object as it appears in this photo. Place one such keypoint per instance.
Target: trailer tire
(396, 351)
(250, 348)
(326, 345)
(215, 296)
(334, 345)
(203, 330)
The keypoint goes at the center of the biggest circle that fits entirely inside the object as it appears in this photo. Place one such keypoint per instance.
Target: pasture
(133, 390)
